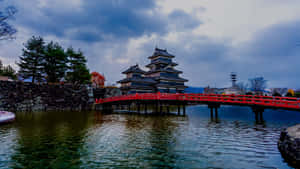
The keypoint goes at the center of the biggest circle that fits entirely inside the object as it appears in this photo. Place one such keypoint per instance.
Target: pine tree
(78, 71)
(31, 60)
(9, 71)
(55, 64)
(1, 67)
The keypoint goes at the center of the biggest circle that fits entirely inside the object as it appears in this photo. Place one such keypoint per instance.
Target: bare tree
(6, 30)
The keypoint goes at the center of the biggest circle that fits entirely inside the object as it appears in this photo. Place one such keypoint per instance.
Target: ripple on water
(94, 140)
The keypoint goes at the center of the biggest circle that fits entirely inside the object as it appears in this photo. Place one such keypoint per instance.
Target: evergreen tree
(9, 71)
(78, 71)
(55, 64)
(1, 67)
(31, 60)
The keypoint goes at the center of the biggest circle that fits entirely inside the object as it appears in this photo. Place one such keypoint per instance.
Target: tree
(55, 62)
(98, 80)
(31, 60)
(9, 71)
(6, 30)
(1, 67)
(258, 85)
(78, 71)
(290, 93)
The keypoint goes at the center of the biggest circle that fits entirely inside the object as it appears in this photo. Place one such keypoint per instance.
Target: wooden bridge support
(258, 111)
(107, 108)
(145, 108)
(129, 107)
(138, 107)
(214, 116)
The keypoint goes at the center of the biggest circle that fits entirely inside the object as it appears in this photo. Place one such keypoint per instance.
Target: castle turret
(135, 82)
(162, 70)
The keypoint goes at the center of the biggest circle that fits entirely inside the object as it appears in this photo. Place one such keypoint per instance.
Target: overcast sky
(210, 38)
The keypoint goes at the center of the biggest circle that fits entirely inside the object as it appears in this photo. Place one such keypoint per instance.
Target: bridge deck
(246, 100)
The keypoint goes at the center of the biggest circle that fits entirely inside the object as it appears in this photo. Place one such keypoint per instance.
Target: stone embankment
(20, 96)
(289, 145)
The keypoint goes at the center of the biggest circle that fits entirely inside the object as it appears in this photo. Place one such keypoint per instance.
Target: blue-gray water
(94, 140)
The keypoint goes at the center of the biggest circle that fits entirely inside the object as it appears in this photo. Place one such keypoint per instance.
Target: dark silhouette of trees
(6, 30)
(78, 71)
(55, 62)
(51, 63)
(31, 61)
(7, 71)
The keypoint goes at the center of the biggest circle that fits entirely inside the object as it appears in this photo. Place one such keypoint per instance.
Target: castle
(161, 77)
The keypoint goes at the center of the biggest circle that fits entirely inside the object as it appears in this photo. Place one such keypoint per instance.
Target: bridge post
(107, 108)
(256, 116)
(211, 112)
(212, 107)
(258, 110)
(160, 108)
(216, 113)
(129, 107)
(178, 109)
(183, 109)
(138, 107)
(145, 108)
(261, 117)
(168, 109)
(156, 107)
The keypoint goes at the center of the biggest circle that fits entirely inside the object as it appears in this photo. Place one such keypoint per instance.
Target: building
(5, 78)
(136, 82)
(162, 70)
(234, 89)
(161, 77)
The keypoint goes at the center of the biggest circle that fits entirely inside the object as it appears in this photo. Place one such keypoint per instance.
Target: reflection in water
(95, 140)
(49, 139)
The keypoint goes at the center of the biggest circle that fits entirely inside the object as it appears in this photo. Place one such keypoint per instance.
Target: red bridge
(257, 103)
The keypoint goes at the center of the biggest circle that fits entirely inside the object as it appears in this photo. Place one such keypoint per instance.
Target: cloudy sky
(210, 38)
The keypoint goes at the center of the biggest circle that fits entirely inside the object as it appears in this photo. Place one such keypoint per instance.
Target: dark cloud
(102, 20)
(104, 31)
(273, 52)
(181, 20)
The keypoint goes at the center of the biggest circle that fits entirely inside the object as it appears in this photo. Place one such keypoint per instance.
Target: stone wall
(289, 145)
(20, 96)
(106, 92)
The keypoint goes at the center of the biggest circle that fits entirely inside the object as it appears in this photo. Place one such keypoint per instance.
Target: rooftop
(161, 52)
(134, 69)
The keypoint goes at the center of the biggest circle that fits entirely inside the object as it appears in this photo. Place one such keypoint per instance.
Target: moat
(96, 140)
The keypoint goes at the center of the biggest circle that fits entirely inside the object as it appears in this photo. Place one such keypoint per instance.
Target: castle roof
(135, 79)
(161, 52)
(161, 61)
(169, 70)
(179, 79)
(134, 69)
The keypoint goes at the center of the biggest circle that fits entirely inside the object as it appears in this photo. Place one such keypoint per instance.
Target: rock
(289, 145)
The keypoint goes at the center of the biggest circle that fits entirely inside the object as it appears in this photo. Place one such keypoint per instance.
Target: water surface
(96, 140)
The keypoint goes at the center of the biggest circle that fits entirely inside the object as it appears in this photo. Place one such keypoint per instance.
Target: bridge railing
(287, 102)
